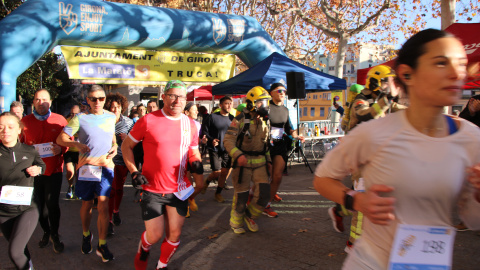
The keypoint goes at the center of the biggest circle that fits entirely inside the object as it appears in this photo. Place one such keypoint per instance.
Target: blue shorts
(86, 190)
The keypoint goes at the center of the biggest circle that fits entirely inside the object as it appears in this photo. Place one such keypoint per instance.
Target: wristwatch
(348, 200)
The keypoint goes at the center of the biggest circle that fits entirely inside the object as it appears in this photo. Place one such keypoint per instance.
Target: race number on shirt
(90, 173)
(277, 133)
(184, 193)
(422, 247)
(44, 149)
(16, 195)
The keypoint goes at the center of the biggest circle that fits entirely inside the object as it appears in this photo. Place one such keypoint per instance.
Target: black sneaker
(111, 231)
(116, 219)
(102, 251)
(87, 244)
(44, 242)
(58, 245)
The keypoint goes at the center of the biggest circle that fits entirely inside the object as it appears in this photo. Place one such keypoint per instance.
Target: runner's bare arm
(65, 140)
(127, 152)
(113, 151)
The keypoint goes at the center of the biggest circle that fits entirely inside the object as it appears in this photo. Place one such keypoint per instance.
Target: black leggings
(47, 191)
(18, 230)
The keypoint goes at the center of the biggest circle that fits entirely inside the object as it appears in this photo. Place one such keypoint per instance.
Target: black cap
(275, 85)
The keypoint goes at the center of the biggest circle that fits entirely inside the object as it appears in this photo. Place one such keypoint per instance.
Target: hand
(112, 152)
(379, 210)
(123, 136)
(473, 106)
(34, 170)
(215, 142)
(301, 138)
(56, 149)
(83, 148)
(138, 180)
(474, 176)
(204, 139)
(242, 161)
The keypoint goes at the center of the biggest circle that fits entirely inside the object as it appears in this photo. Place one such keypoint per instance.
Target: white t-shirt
(428, 175)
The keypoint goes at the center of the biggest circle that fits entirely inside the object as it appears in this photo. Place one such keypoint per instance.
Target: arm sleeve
(137, 133)
(288, 127)
(39, 162)
(230, 140)
(206, 128)
(469, 207)
(348, 156)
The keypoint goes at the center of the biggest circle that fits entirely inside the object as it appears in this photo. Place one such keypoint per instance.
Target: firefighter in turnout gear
(246, 141)
(374, 101)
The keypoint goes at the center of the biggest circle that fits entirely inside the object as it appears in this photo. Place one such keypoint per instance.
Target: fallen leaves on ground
(302, 230)
(306, 219)
(213, 236)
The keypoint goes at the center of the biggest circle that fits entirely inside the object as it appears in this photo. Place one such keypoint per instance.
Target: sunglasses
(281, 91)
(94, 99)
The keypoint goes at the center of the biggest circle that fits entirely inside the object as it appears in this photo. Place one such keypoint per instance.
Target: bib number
(90, 173)
(184, 193)
(422, 247)
(44, 149)
(276, 133)
(16, 195)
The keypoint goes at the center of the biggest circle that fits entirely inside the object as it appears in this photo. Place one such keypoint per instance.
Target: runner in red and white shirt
(170, 142)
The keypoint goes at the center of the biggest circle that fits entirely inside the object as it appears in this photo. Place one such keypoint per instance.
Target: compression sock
(166, 252)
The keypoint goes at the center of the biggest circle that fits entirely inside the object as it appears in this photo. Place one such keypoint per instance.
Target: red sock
(145, 244)
(166, 252)
(141, 259)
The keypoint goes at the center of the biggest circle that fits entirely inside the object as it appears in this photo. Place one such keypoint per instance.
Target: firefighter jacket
(368, 105)
(252, 143)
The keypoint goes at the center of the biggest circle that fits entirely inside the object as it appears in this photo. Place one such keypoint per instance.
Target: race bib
(90, 173)
(276, 133)
(422, 247)
(16, 195)
(184, 193)
(44, 149)
(359, 185)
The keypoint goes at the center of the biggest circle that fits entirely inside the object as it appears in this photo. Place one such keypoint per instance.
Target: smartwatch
(348, 200)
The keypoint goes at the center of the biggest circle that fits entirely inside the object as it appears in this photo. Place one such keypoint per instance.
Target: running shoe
(193, 205)
(110, 231)
(44, 241)
(141, 259)
(69, 194)
(277, 198)
(116, 219)
(348, 247)
(252, 226)
(268, 211)
(219, 198)
(102, 251)
(58, 245)
(337, 220)
(87, 244)
(240, 230)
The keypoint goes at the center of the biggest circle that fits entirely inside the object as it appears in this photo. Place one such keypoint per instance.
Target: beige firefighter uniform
(255, 149)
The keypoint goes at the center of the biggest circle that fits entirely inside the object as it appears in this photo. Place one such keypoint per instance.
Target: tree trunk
(342, 49)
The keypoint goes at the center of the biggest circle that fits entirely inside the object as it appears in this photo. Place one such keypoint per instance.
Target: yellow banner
(116, 66)
(338, 97)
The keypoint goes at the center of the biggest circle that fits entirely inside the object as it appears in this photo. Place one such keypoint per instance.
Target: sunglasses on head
(94, 99)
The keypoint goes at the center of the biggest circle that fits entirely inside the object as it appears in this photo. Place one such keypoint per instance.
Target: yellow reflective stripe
(377, 108)
(256, 160)
(233, 151)
(254, 211)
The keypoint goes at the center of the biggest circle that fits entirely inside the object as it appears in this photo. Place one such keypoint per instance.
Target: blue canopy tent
(273, 69)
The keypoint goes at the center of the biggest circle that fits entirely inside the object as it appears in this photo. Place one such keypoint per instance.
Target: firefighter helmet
(377, 75)
(256, 94)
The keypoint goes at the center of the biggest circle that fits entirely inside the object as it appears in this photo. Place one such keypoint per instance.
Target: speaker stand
(299, 149)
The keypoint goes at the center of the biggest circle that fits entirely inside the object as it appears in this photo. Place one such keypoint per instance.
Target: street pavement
(301, 237)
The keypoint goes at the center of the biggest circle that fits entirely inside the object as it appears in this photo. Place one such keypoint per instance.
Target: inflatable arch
(37, 26)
